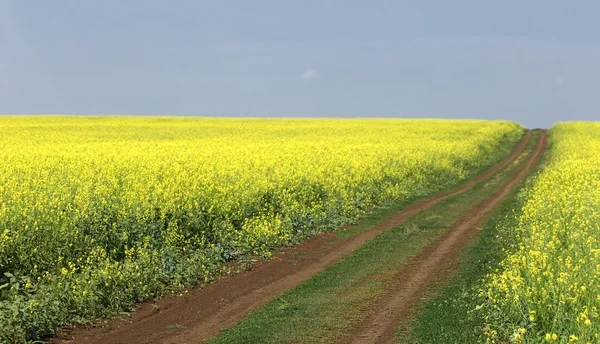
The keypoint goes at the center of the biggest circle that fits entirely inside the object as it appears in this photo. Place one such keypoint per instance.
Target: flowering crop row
(98, 213)
(548, 286)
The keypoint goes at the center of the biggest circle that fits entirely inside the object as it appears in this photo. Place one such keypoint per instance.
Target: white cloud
(310, 74)
(558, 80)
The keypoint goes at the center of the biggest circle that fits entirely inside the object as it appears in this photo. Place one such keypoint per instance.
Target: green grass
(327, 306)
(450, 315)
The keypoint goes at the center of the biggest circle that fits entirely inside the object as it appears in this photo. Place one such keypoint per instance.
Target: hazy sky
(532, 61)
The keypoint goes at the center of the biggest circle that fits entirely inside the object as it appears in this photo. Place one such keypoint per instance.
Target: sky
(531, 61)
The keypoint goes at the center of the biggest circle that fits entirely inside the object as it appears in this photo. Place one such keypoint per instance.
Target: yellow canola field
(99, 212)
(548, 288)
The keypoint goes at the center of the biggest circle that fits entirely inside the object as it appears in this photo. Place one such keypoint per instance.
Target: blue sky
(531, 61)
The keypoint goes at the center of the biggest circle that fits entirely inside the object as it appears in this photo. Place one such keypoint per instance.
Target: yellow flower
(90, 188)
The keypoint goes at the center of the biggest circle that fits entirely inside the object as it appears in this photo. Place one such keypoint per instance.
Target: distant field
(97, 213)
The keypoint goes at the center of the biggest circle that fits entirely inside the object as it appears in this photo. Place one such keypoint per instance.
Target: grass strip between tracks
(329, 304)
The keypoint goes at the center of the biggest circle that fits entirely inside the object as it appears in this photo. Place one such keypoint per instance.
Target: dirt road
(201, 313)
(424, 268)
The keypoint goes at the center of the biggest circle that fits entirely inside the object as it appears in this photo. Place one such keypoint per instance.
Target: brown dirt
(202, 313)
(431, 265)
